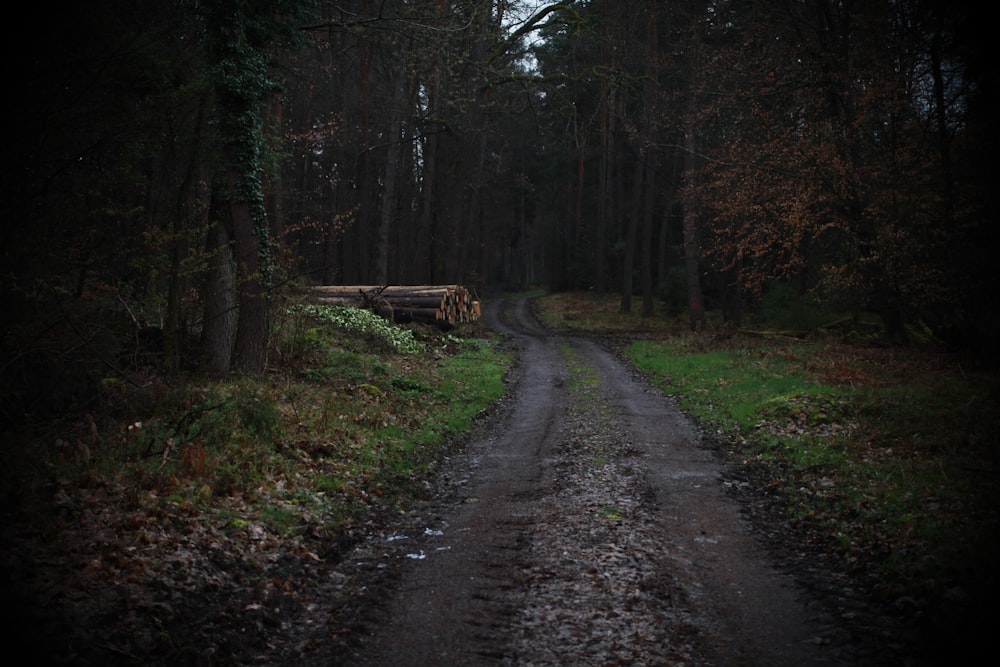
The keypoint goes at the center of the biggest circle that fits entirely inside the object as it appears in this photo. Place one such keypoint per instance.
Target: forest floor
(586, 522)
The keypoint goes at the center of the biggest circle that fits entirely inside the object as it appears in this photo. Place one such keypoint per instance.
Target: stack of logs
(443, 305)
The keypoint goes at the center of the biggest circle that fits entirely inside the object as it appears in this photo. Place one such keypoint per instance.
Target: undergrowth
(353, 411)
(884, 456)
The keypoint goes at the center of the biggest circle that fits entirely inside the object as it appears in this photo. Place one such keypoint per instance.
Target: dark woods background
(173, 170)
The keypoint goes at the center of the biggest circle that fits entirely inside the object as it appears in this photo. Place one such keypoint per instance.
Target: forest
(178, 171)
(783, 210)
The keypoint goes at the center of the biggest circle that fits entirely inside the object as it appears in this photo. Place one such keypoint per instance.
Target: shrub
(364, 322)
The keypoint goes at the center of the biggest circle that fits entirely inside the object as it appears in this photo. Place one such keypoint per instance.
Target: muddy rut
(590, 526)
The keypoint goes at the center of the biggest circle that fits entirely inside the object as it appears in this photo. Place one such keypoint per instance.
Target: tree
(239, 34)
(104, 179)
(823, 163)
(159, 181)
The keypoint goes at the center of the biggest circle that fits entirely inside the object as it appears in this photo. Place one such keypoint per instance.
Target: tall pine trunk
(628, 264)
(692, 237)
(390, 193)
(241, 87)
(651, 102)
(218, 331)
(252, 329)
(692, 241)
(646, 247)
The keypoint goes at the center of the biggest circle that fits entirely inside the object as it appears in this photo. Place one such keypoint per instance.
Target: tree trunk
(646, 248)
(628, 265)
(275, 190)
(603, 185)
(389, 194)
(602, 193)
(365, 171)
(250, 349)
(692, 243)
(241, 90)
(423, 255)
(219, 323)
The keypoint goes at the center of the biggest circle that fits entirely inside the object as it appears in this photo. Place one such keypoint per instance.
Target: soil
(587, 521)
(591, 523)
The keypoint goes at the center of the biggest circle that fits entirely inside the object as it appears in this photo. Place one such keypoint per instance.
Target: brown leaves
(819, 168)
(194, 461)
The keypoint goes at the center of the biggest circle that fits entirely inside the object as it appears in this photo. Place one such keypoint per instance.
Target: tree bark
(219, 321)
(389, 194)
(628, 265)
(250, 349)
(651, 98)
(692, 241)
(242, 85)
(646, 248)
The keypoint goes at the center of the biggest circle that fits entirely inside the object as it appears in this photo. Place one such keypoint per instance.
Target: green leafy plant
(876, 457)
(362, 321)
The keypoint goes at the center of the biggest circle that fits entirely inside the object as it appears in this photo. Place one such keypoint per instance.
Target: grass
(889, 462)
(884, 456)
(388, 421)
(343, 421)
(598, 314)
(583, 379)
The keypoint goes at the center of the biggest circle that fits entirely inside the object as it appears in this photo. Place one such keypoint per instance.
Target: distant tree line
(176, 166)
(713, 150)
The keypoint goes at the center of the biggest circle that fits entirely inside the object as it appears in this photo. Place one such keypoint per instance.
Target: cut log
(444, 305)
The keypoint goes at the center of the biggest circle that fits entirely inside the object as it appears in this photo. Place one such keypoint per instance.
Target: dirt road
(591, 526)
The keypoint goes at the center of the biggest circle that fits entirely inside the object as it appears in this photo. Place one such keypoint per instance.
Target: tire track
(590, 527)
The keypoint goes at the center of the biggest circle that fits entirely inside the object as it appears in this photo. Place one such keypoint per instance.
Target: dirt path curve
(590, 527)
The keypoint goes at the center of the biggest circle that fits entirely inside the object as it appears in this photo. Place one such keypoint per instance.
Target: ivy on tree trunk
(237, 48)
